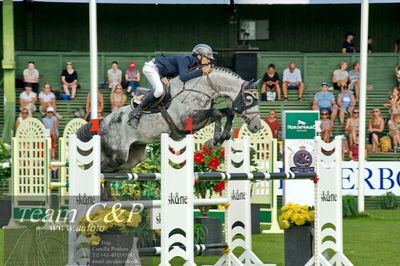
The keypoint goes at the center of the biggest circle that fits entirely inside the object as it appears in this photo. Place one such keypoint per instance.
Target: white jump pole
(363, 100)
(93, 58)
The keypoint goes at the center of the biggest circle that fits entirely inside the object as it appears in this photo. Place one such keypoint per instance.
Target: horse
(123, 147)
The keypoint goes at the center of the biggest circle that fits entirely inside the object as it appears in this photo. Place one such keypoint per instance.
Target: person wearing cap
(132, 77)
(114, 75)
(27, 99)
(50, 122)
(170, 66)
(324, 100)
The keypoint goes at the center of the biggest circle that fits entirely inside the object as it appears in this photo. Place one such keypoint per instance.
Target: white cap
(50, 109)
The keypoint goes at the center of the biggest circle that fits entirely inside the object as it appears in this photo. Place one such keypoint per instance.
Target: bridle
(239, 106)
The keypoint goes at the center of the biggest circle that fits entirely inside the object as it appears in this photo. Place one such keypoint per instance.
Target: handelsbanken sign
(379, 178)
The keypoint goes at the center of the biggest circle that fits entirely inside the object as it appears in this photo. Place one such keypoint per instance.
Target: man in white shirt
(292, 81)
(27, 99)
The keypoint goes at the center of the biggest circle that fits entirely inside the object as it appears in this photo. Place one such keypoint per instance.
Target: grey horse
(122, 147)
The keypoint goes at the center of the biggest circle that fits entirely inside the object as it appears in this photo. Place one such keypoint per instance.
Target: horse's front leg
(230, 115)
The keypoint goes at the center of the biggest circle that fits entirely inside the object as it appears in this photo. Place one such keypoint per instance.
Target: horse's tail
(84, 134)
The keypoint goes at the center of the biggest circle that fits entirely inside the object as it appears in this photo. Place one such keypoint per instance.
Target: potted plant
(5, 175)
(108, 232)
(297, 220)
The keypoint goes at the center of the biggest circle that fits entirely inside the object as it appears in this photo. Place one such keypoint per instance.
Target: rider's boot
(134, 116)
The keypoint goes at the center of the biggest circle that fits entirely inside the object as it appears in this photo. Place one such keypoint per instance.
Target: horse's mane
(227, 70)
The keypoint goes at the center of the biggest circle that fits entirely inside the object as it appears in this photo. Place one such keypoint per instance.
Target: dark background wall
(319, 28)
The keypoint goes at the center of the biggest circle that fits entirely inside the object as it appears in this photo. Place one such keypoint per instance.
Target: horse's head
(225, 83)
(246, 105)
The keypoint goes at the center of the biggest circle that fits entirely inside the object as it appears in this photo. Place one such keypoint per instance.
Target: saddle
(164, 100)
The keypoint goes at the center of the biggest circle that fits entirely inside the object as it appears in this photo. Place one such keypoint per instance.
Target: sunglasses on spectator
(376, 111)
(68, 64)
(25, 113)
(355, 112)
(324, 113)
(49, 112)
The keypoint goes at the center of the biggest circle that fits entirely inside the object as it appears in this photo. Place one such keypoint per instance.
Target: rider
(171, 66)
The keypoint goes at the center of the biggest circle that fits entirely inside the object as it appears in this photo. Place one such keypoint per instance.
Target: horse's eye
(249, 99)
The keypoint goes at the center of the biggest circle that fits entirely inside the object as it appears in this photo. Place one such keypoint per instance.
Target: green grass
(368, 241)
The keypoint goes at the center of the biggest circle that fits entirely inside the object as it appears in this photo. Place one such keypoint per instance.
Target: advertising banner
(379, 178)
(299, 131)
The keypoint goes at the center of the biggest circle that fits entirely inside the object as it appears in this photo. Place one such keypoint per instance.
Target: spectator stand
(31, 151)
(264, 192)
(63, 143)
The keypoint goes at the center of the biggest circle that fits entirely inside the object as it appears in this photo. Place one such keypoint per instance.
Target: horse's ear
(254, 85)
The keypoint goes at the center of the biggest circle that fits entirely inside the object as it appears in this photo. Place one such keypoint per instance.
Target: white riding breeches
(151, 72)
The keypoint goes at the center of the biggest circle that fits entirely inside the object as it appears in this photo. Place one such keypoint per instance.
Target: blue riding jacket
(171, 66)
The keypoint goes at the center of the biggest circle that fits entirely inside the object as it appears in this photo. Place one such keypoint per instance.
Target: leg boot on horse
(135, 115)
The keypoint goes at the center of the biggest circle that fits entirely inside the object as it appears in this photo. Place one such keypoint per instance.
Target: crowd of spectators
(347, 86)
(44, 100)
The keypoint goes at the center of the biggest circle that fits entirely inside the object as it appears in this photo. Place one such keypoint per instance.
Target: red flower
(214, 163)
(198, 158)
(196, 181)
(219, 186)
(204, 149)
(223, 152)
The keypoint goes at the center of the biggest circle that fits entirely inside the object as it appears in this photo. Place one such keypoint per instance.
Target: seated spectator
(132, 77)
(376, 126)
(340, 76)
(47, 99)
(394, 101)
(270, 85)
(348, 44)
(353, 152)
(31, 77)
(117, 98)
(100, 114)
(397, 73)
(324, 100)
(352, 126)
(114, 75)
(346, 103)
(51, 123)
(273, 123)
(292, 81)
(326, 126)
(24, 115)
(27, 99)
(394, 129)
(354, 79)
(397, 46)
(69, 79)
(369, 44)
(100, 104)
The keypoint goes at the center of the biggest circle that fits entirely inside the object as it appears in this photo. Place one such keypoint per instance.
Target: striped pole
(216, 176)
(130, 176)
(62, 164)
(197, 248)
(212, 176)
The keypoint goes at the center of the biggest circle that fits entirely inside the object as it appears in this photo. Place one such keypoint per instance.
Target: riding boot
(134, 116)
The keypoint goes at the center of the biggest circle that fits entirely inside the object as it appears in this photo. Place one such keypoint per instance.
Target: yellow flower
(299, 221)
(285, 224)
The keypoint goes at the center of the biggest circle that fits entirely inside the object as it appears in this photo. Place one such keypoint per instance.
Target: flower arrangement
(208, 161)
(296, 214)
(109, 219)
(5, 166)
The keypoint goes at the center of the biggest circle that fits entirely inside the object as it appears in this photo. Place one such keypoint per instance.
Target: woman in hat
(51, 123)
